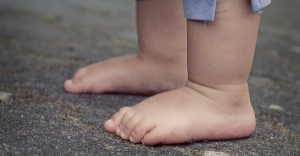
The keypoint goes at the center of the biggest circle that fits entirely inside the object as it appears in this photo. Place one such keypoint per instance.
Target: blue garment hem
(205, 9)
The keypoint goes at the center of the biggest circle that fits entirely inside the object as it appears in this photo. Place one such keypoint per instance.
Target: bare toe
(129, 121)
(139, 131)
(111, 124)
(75, 85)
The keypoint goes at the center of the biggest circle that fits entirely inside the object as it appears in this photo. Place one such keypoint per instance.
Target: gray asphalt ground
(42, 42)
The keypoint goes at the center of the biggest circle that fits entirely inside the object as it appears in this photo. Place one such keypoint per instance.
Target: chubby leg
(215, 103)
(160, 64)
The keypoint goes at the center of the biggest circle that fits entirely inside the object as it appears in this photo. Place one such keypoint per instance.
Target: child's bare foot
(215, 102)
(160, 65)
(191, 113)
(129, 74)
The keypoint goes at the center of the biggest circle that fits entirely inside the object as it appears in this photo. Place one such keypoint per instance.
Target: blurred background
(42, 43)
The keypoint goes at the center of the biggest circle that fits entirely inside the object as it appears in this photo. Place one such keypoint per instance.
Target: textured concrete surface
(42, 42)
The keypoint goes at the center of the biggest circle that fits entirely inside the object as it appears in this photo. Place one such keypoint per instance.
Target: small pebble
(213, 153)
(4, 96)
(276, 107)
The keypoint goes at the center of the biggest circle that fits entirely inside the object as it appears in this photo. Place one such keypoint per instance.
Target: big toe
(73, 86)
(111, 124)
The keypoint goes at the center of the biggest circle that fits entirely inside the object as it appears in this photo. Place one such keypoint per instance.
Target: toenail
(131, 139)
(109, 121)
(69, 81)
(118, 131)
(123, 135)
(143, 142)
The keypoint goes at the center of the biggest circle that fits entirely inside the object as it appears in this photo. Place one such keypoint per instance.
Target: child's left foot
(191, 113)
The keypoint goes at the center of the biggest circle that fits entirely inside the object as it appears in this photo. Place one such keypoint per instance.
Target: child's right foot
(129, 74)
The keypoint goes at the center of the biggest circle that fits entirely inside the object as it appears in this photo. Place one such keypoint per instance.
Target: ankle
(165, 56)
(231, 97)
(172, 70)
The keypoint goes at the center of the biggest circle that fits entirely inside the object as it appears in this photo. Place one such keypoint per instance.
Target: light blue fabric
(205, 9)
(258, 5)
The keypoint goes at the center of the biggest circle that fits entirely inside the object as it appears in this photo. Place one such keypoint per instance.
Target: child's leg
(215, 103)
(160, 64)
